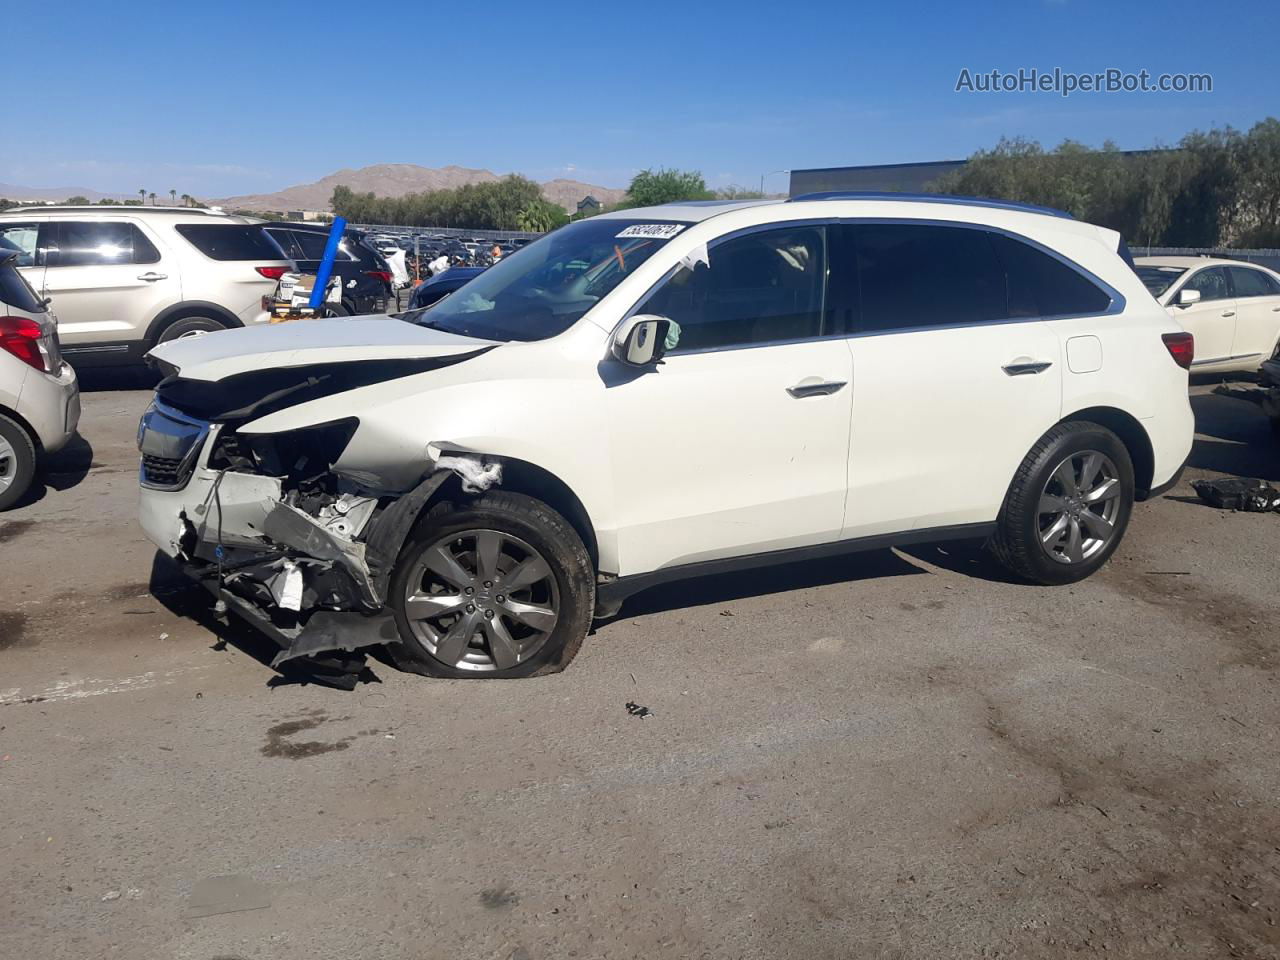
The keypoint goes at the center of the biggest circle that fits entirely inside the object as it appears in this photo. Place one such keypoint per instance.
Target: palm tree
(173, 195)
(143, 194)
(153, 198)
(186, 199)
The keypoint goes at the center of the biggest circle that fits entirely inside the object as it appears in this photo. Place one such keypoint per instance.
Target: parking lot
(899, 754)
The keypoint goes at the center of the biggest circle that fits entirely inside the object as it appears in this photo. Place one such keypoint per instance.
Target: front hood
(239, 375)
(304, 343)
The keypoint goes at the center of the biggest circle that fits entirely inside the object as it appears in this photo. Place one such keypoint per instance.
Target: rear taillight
(30, 343)
(1182, 347)
(382, 275)
(272, 273)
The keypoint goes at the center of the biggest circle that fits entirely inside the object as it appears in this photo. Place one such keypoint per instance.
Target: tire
(335, 310)
(442, 642)
(190, 327)
(17, 462)
(1052, 528)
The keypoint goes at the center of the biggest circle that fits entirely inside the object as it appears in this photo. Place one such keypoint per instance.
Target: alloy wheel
(481, 600)
(8, 464)
(1079, 506)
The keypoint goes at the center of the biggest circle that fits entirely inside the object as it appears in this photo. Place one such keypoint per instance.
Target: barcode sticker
(653, 231)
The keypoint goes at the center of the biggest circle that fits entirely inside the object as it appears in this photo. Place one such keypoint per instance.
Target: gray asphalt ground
(895, 755)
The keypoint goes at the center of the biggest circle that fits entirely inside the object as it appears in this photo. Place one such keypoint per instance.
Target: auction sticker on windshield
(656, 231)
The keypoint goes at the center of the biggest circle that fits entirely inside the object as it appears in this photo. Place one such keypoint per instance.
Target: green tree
(143, 195)
(173, 197)
(153, 198)
(541, 216)
(77, 201)
(650, 188)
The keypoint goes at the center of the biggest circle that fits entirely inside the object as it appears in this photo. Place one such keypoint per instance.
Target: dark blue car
(441, 285)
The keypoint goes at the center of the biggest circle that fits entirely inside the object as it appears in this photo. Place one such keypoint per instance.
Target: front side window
(1252, 283)
(761, 287)
(921, 275)
(545, 288)
(1211, 283)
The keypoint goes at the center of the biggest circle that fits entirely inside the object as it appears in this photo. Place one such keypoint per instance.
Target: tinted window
(915, 275)
(1041, 285)
(1251, 283)
(229, 241)
(91, 244)
(757, 288)
(1211, 283)
(15, 292)
(21, 237)
(312, 245)
(284, 238)
(1158, 279)
(144, 251)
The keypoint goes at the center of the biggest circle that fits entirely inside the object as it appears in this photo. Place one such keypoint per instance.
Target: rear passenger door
(950, 391)
(108, 280)
(1257, 313)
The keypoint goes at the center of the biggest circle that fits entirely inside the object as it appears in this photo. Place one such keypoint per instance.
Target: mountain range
(397, 179)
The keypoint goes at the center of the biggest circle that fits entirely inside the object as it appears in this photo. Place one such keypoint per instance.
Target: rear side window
(229, 241)
(1043, 286)
(15, 292)
(88, 243)
(284, 238)
(1252, 283)
(312, 245)
(919, 275)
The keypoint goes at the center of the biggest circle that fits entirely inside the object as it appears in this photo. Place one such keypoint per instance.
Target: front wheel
(1068, 506)
(500, 586)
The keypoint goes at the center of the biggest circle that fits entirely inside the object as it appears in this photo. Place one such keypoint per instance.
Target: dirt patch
(1237, 622)
(128, 591)
(14, 529)
(499, 898)
(13, 630)
(281, 745)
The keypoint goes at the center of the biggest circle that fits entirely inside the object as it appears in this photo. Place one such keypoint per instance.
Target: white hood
(214, 356)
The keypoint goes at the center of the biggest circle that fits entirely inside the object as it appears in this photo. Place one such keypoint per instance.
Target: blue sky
(201, 97)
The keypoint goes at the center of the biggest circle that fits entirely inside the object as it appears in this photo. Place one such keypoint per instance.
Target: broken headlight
(296, 453)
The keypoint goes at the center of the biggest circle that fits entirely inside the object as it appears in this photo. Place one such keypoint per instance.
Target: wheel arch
(11, 414)
(521, 476)
(1132, 434)
(189, 308)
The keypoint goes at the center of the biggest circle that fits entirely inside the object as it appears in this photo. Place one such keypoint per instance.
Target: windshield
(1158, 279)
(544, 288)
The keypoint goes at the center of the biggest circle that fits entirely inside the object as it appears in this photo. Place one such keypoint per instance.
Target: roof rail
(114, 207)
(933, 198)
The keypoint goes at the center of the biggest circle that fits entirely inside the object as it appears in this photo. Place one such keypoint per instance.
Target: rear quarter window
(1043, 286)
(16, 293)
(229, 241)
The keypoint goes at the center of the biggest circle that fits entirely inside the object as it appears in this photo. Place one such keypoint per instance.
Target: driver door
(738, 442)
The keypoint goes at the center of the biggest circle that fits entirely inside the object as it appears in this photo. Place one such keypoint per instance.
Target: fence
(1265, 257)
(403, 231)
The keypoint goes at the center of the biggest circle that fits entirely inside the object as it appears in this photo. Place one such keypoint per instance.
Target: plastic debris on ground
(1238, 493)
(638, 711)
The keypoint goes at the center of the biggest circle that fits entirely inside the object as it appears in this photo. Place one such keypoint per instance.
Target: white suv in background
(1231, 307)
(663, 393)
(124, 278)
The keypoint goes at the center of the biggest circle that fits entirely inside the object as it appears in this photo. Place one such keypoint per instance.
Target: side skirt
(611, 594)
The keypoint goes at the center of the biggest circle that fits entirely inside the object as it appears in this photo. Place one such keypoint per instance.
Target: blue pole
(326, 263)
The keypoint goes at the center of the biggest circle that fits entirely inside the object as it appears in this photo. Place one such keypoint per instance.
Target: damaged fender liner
(369, 565)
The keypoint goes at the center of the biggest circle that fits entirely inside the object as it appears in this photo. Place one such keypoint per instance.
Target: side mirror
(641, 341)
(1187, 297)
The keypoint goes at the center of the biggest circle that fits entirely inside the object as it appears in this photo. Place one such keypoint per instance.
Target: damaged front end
(296, 547)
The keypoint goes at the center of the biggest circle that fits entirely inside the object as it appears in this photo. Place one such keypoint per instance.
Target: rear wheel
(17, 462)
(1068, 506)
(500, 586)
(190, 327)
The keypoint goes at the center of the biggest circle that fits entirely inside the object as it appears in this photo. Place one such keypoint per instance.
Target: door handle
(1228, 313)
(822, 389)
(1020, 368)
(152, 277)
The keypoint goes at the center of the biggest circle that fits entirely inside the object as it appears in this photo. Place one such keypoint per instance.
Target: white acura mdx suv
(662, 393)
